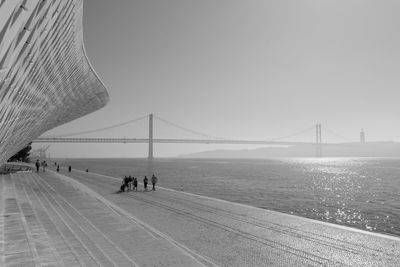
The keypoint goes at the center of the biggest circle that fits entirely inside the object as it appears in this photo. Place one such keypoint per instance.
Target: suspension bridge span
(162, 141)
(66, 138)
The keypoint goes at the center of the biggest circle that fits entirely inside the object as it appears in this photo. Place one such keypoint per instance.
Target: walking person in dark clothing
(154, 181)
(37, 164)
(145, 181)
(135, 182)
(69, 168)
(58, 168)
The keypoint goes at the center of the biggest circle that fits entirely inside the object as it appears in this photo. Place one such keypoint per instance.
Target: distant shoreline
(342, 150)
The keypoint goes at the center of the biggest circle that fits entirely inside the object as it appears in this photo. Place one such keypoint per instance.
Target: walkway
(46, 222)
(55, 220)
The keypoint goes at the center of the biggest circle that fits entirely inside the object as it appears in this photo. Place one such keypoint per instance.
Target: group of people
(44, 165)
(38, 164)
(131, 183)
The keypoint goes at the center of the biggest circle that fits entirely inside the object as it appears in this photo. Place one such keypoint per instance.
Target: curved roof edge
(46, 78)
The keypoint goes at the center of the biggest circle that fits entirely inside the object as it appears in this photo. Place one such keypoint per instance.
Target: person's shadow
(120, 191)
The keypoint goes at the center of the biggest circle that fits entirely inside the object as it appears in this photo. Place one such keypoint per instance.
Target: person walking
(37, 164)
(145, 181)
(154, 181)
(69, 168)
(58, 168)
(135, 182)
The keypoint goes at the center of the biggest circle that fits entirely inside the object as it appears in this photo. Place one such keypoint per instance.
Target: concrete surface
(78, 219)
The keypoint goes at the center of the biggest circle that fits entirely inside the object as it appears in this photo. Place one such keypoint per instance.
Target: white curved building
(45, 77)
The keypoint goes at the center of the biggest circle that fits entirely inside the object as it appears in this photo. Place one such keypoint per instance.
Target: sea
(363, 193)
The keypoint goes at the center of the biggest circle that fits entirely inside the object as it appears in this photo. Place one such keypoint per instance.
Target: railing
(14, 167)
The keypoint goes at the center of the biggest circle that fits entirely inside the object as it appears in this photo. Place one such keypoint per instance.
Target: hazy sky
(253, 69)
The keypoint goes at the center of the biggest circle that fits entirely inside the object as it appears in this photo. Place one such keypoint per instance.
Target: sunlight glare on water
(345, 193)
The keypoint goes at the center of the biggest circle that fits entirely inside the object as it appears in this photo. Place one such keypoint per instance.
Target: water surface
(357, 192)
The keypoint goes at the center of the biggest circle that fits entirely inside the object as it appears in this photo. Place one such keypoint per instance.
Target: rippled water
(357, 192)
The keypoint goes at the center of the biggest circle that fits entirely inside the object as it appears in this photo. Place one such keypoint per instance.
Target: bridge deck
(76, 220)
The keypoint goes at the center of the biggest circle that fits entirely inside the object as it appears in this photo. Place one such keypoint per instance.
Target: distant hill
(372, 149)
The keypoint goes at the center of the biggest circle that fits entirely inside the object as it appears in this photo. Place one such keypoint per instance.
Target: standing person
(154, 181)
(129, 183)
(145, 181)
(123, 185)
(58, 168)
(135, 183)
(44, 164)
(126, 183)
(37, 164)
(69, 168)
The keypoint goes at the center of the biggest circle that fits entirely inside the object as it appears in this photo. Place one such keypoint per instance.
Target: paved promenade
(78, 219)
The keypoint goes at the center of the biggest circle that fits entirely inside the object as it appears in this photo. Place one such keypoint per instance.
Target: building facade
(45, 77)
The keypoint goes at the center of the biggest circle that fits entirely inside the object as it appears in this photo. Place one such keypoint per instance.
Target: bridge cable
(293, 134)
(99, 129)
(337, 135)
(189, 130)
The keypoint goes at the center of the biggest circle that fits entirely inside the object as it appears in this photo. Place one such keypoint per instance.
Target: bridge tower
(150, 157)
(362, 136)
(318, 140)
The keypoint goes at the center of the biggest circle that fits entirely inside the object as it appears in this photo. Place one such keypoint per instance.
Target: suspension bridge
(208, 139)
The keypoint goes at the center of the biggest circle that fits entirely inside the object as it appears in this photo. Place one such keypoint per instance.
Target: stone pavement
(78, 220)
(58, 225)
